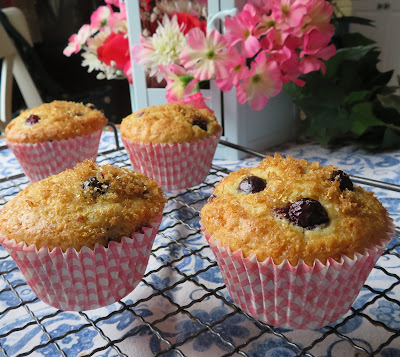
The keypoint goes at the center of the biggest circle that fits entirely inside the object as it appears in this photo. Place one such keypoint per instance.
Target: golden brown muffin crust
(58, 120)
(169, 123)
(251, 222)
(82, 206)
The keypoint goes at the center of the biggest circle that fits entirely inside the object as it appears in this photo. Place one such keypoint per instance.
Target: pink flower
(128, 71)
(206, 54)
(264, 81)
(289, 64)
(116, 3)
(77, 41)
(265, 25)
(319, 16)
(179, 82)
(122, 9)
(238, 71)
(197, 100)
(266, 44)
(241, 29)
(274, 39)
(315, 48)
(289, 12)
(314, 41)
(313, 63)
(117, 20)
(261, 6)
(100, 17)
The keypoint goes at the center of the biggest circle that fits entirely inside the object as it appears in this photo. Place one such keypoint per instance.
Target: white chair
(14, 67)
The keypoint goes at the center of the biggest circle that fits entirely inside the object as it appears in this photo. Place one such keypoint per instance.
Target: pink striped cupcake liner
(295, 297)
(88, 279)
(173, 166)
(41, 160)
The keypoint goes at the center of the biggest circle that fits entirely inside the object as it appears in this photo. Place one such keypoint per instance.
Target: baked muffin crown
(293, 209)
(169, 123)
(57, 120)
(82, 206)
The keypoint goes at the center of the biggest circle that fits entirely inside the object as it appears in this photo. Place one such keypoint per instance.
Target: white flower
(90, 60)
(164, 47)
(77, 41)
(90, 51)
(96, 41)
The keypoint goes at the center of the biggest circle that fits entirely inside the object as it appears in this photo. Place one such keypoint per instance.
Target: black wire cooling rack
(184, 212)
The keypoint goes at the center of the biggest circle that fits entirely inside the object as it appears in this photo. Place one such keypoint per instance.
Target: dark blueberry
(252, 184)
(345, 182)
(138, 115)
(284, 211)
(32, 119)
(201, 123)
(95, 186)
(307, 213)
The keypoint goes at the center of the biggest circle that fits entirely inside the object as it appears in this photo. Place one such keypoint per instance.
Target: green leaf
(390, 101)
(354, 20)
(316, 126)
(341, 121)
(352, 101)
(381, 79)
(355, 39)
(293, 90)
(343, 54)
(326, 125)
(350, 78)
(356, 53)
(391, 139)
(356, 97)
(362, 118)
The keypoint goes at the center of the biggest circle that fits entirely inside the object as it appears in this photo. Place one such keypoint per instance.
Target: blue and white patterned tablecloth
(111, 324)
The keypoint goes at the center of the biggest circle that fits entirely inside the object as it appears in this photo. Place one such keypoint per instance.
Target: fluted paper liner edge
(297, 297)
(88, 279)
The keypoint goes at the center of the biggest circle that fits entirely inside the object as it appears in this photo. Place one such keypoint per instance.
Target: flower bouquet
(104, 43)
(263, 45)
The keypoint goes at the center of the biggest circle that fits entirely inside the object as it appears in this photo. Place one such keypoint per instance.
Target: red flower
(147, 5)
(188, 21)
(115, 48)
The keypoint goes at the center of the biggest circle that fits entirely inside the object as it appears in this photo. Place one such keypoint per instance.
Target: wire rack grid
(177, 241)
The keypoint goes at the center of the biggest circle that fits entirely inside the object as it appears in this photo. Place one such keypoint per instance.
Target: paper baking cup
(41, 160)
(85, 280)
(173, 166)
(296, 297)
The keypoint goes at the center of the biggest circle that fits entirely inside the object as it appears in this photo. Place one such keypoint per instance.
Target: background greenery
(351, 102)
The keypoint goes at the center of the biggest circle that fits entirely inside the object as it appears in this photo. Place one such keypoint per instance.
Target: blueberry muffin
(162, 141)
(84, 206)
(169, 123)
(58, 120)
(293, 210)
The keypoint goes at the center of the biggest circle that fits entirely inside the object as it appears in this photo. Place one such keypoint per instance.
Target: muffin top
(293, 209)
(57, 120)
(82, 206)
(169, 123)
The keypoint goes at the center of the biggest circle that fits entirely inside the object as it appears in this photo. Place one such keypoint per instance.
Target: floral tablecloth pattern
(167, 291)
